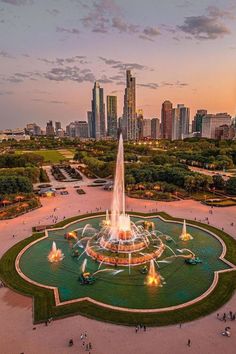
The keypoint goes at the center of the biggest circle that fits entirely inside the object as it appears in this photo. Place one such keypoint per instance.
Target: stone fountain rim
(58, 303)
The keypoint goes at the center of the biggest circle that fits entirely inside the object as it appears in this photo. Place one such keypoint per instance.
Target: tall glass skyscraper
(129, 112)
(98, 113)
(166, 120)
(112, 116)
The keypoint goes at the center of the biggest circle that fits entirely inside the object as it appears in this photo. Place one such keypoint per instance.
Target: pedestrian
(90, 345)
(189, 343)
(81, 336)
(71, 342)
(144, 328)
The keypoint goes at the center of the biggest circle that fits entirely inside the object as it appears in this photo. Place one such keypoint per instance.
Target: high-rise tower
(166, 120)
(112, 116)
(129, 113)
(98, 113)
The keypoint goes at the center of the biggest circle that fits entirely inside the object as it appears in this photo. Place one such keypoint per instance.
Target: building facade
(129, 111)
(147, 128)
(155, 128)
(112, 116)
(197, 121)
(184, 118)
(50, 129)
(166, 120)
(98, 113)
(212, 121)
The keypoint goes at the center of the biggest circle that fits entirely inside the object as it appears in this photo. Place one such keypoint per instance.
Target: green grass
(222, 203)
(44, 304)
(50, 156)
(201, 196)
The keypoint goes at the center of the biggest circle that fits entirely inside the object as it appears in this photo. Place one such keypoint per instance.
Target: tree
(15, 184)
(218, 182)
(231, 186)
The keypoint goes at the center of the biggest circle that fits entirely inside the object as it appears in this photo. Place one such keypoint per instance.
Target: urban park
(118, 266)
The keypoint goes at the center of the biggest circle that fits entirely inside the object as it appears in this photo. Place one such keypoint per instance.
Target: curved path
(17, 333)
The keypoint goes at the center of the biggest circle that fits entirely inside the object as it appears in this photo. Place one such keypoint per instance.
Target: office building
(140, 124)
(129, 111)
(50, 129)
(98, 113)
(147, 128)
(197, 121)
(166, 120)
(112, 116)
(155, 128)
(212, 121)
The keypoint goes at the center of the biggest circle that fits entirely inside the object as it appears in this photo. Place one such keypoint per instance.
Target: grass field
(50, 156)
(44, 304)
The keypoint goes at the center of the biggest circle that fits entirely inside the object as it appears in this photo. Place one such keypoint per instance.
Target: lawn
(202, 196)
(222, 203)
(44, 304)
(50, 156)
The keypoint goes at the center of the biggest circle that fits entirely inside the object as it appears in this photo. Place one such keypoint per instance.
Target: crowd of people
(86, 344)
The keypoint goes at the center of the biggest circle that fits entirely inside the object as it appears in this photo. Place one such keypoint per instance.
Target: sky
(52, 51)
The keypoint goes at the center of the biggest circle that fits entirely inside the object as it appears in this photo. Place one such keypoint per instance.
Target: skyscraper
(176, 124)
(147, 128)
(197, 121)
(129, 112)
(166, 120)
(98, 113)
(50, 129)
(211, 121)
(140, 124)
(184, 117)
(155, 128)
(90, 123)
(112, 116)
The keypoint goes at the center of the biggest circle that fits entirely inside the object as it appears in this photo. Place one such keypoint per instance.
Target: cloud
(69, 74)
(123, 26)
(68, 30)
(105, 16)
(5, 93)
(40, 100)
(53, 12)
(105, 80)
(207, 26)
(4, 54)
(81, 59)
(151, 31)
(17, 2)
(150, 85)
(117, 64)
(177, 84)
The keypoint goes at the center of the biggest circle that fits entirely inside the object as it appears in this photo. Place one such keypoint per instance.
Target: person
(189, 342)
(71, 342)
(144, 328)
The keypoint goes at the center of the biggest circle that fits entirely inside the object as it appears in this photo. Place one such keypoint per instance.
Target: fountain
(120, 240)
(55, 254)
(184, 235)
(153, 277)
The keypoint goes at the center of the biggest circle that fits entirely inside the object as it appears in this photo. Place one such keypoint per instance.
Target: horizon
(49, 67)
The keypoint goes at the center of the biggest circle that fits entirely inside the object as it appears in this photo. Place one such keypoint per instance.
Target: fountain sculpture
(184, 235)
(55, 254)
(120, 241)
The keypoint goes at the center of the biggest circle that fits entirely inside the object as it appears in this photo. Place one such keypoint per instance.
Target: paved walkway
(17, 334)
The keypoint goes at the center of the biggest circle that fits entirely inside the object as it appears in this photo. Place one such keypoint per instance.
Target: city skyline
(181, 51)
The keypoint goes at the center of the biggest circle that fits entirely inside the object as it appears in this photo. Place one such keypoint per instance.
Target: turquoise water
(183, 282)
